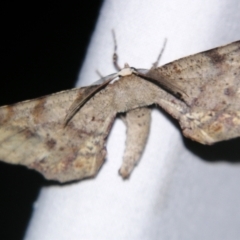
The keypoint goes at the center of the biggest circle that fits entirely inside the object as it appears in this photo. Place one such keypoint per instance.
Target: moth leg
(99, 74)
(138, 125)
(155, 64)
(115, 56)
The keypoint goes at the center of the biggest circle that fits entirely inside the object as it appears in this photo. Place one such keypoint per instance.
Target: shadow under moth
(63, 135)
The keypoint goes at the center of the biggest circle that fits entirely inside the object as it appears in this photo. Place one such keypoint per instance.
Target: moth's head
(126, 71)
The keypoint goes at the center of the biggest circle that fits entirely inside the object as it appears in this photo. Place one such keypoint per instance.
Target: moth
(63, 135)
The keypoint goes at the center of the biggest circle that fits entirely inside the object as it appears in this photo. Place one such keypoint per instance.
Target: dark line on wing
(177, 92)
(9, 137)
(72, 112)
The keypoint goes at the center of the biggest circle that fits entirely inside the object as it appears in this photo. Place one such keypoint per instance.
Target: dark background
(42, 49)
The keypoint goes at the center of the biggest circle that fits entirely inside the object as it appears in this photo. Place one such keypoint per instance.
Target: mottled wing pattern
(36, 133)
(32, 133)
(211, 81)
(199, 72)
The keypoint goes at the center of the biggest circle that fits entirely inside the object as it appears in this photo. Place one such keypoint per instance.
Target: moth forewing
(211, 81)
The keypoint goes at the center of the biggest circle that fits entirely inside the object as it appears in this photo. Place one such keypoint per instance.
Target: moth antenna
(115, 56)
(99, 74)
(155, 65)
